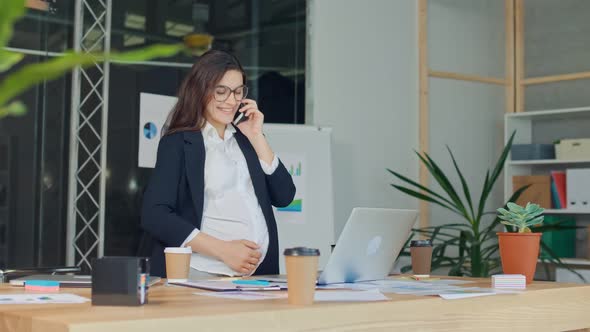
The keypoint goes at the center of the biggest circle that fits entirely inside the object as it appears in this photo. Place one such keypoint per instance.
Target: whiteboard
(306, 152)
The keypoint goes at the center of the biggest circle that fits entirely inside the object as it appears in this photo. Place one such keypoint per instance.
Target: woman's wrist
(262, 148)
(208, 245)
(256, 138)
(219, 249)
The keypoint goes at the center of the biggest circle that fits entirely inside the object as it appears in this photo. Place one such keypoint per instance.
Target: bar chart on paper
(295, 171)
(295, 206)
(294, 211)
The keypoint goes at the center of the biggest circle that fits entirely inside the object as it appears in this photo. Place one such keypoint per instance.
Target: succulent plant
(521, 217)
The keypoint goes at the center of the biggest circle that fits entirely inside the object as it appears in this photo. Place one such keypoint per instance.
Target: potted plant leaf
(519, 250)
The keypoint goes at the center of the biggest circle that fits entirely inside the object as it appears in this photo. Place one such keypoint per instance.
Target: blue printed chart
(150, 130)
(294, 212)
(153, 111)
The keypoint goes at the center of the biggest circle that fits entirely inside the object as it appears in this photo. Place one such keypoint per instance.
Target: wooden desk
(543, 307)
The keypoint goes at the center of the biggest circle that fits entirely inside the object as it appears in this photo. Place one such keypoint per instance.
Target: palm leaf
(421, 187)
(443, 243)
(406, 245)
(554, 258)
(462, 246)
(405, 269)
(9, 59)
(482, 197)
(546, 268)
(449, 226)
(492, 264)
(444, 182)
(423, 197)
(457, 269)
(466, 192)
(16, 108)
(488, 185)
(501, 160)
(10, 12)
(437, 234)
(553, 228)
(489, 251)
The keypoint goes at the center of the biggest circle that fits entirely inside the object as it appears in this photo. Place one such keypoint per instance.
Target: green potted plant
(467, 245)
(519, 250)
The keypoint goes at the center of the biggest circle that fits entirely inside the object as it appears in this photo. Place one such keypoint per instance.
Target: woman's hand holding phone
(253, 126)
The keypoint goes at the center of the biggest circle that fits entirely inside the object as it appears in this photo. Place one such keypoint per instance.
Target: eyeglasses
(222, 92)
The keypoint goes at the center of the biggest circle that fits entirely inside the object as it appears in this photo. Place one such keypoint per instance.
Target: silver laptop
(368, 246)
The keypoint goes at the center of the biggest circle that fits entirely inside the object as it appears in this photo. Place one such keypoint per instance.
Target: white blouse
(231, 210)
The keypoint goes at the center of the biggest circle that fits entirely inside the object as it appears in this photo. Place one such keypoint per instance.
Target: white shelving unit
(546, 162)
(524, 125)
(565, 211)
(546, 127)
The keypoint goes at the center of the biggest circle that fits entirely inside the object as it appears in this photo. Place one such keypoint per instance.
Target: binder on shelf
(539, 192)
(562, 242)
(578, 193)
(559, 178)
(555, 196)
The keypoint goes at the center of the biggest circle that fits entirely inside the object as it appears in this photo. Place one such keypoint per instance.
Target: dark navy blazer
(173, 201)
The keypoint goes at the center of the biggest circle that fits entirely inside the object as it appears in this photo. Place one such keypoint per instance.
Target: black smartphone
(240, 117)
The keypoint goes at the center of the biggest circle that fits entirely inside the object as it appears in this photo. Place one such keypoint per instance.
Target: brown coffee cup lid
(421, 243)
(301, 251)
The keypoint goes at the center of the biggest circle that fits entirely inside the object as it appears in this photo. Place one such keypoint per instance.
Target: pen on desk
(420, 276)
(250, 282)
(249, 288)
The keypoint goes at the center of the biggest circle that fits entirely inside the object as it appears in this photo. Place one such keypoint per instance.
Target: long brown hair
(197, 90)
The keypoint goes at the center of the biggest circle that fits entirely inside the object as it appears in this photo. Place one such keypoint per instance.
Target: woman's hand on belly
(241, 256)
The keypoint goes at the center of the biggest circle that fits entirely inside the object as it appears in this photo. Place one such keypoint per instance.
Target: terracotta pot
(519, 253)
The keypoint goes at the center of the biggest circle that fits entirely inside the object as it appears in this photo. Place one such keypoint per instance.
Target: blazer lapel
(256, 173)
(194, 154)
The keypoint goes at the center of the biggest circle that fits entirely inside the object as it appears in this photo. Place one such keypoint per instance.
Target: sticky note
(509, 281)
(42, 285)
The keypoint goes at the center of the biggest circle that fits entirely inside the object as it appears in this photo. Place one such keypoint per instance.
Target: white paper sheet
(467, 292)
(430, 290)
(457, 296)
(429, 281)
(401, 286)
(350, 296)
(41, 298)
(448, 281)
(245, 296)
(320, 296)
(349, 286)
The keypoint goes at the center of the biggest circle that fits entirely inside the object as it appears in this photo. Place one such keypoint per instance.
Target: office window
(267, 35)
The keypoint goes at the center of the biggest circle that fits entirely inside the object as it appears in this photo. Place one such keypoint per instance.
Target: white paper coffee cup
(178, 262)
